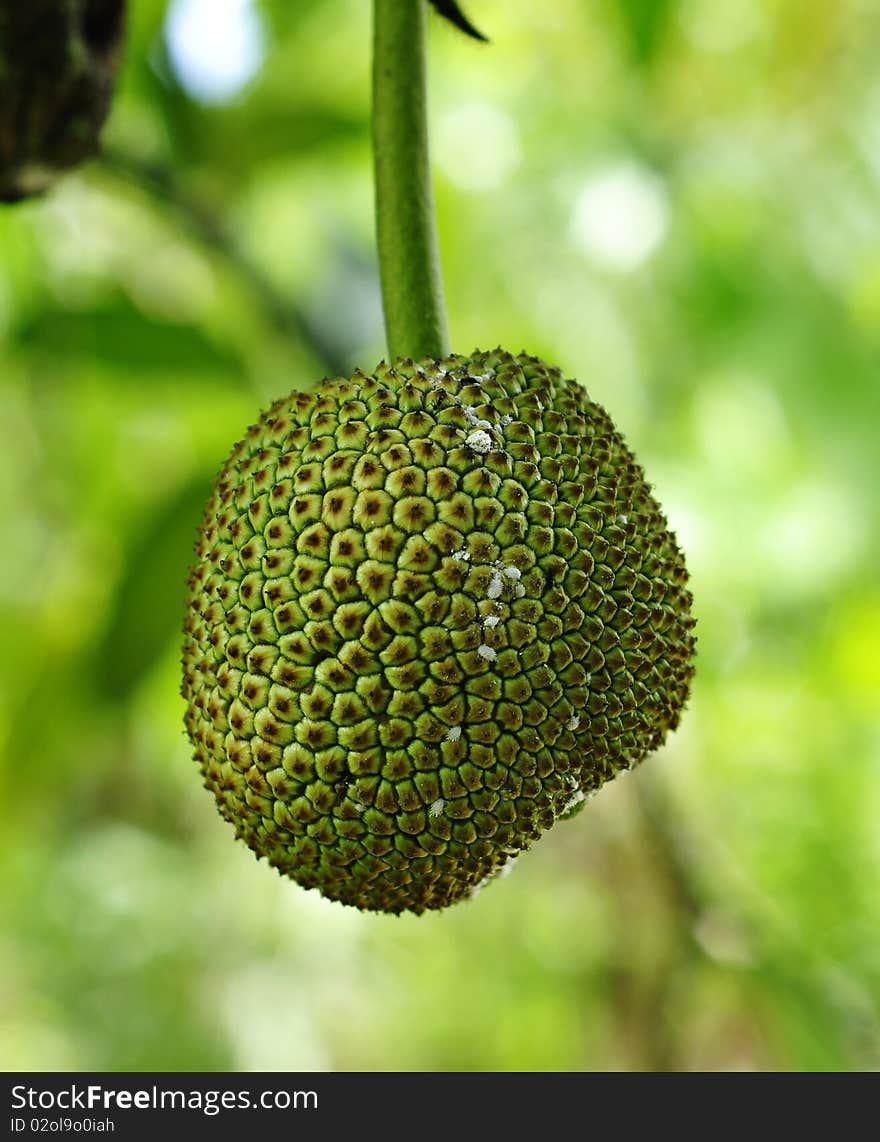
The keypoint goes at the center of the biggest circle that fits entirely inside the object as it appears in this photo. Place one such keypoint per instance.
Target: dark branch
(58, 65)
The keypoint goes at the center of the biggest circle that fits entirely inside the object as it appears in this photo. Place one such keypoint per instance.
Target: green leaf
(148, 612)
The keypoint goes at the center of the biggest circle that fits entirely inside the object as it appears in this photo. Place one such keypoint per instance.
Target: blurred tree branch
(162, 184)
(764, 926)
(670, 846)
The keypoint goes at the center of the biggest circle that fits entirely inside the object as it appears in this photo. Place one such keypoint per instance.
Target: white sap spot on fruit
(502, 574)
(453, 733)
(575, 799)
(358, 807)
(478, 887)
(487, 652)
(437, 807)
(473, 420)
(480, 441)
(496, 874)
(478, 431)
(622, 518)
(574, 722)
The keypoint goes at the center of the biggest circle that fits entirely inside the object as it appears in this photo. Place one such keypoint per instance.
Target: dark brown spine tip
(450, 10)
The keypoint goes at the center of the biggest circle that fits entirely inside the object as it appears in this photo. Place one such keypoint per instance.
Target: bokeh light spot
(477, 146)
(621, 215)
(216, 47)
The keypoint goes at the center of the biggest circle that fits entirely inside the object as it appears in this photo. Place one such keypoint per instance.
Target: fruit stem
(409, 262)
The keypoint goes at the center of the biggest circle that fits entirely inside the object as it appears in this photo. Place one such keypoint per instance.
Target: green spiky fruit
(433, 609)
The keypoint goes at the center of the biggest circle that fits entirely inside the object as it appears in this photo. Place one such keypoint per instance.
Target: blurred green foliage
(680, 203)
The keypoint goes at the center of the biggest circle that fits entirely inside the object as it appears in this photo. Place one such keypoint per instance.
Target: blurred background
(676, 200)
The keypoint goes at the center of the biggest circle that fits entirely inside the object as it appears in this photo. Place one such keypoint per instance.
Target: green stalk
(409, 263)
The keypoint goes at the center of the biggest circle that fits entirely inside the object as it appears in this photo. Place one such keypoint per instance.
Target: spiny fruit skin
(58, 64)
(433, 609)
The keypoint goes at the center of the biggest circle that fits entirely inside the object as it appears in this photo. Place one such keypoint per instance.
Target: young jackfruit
(434, 608)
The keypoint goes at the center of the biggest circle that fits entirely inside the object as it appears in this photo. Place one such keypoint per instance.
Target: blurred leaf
(120, 335)
(644, 24)
(147, 612)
